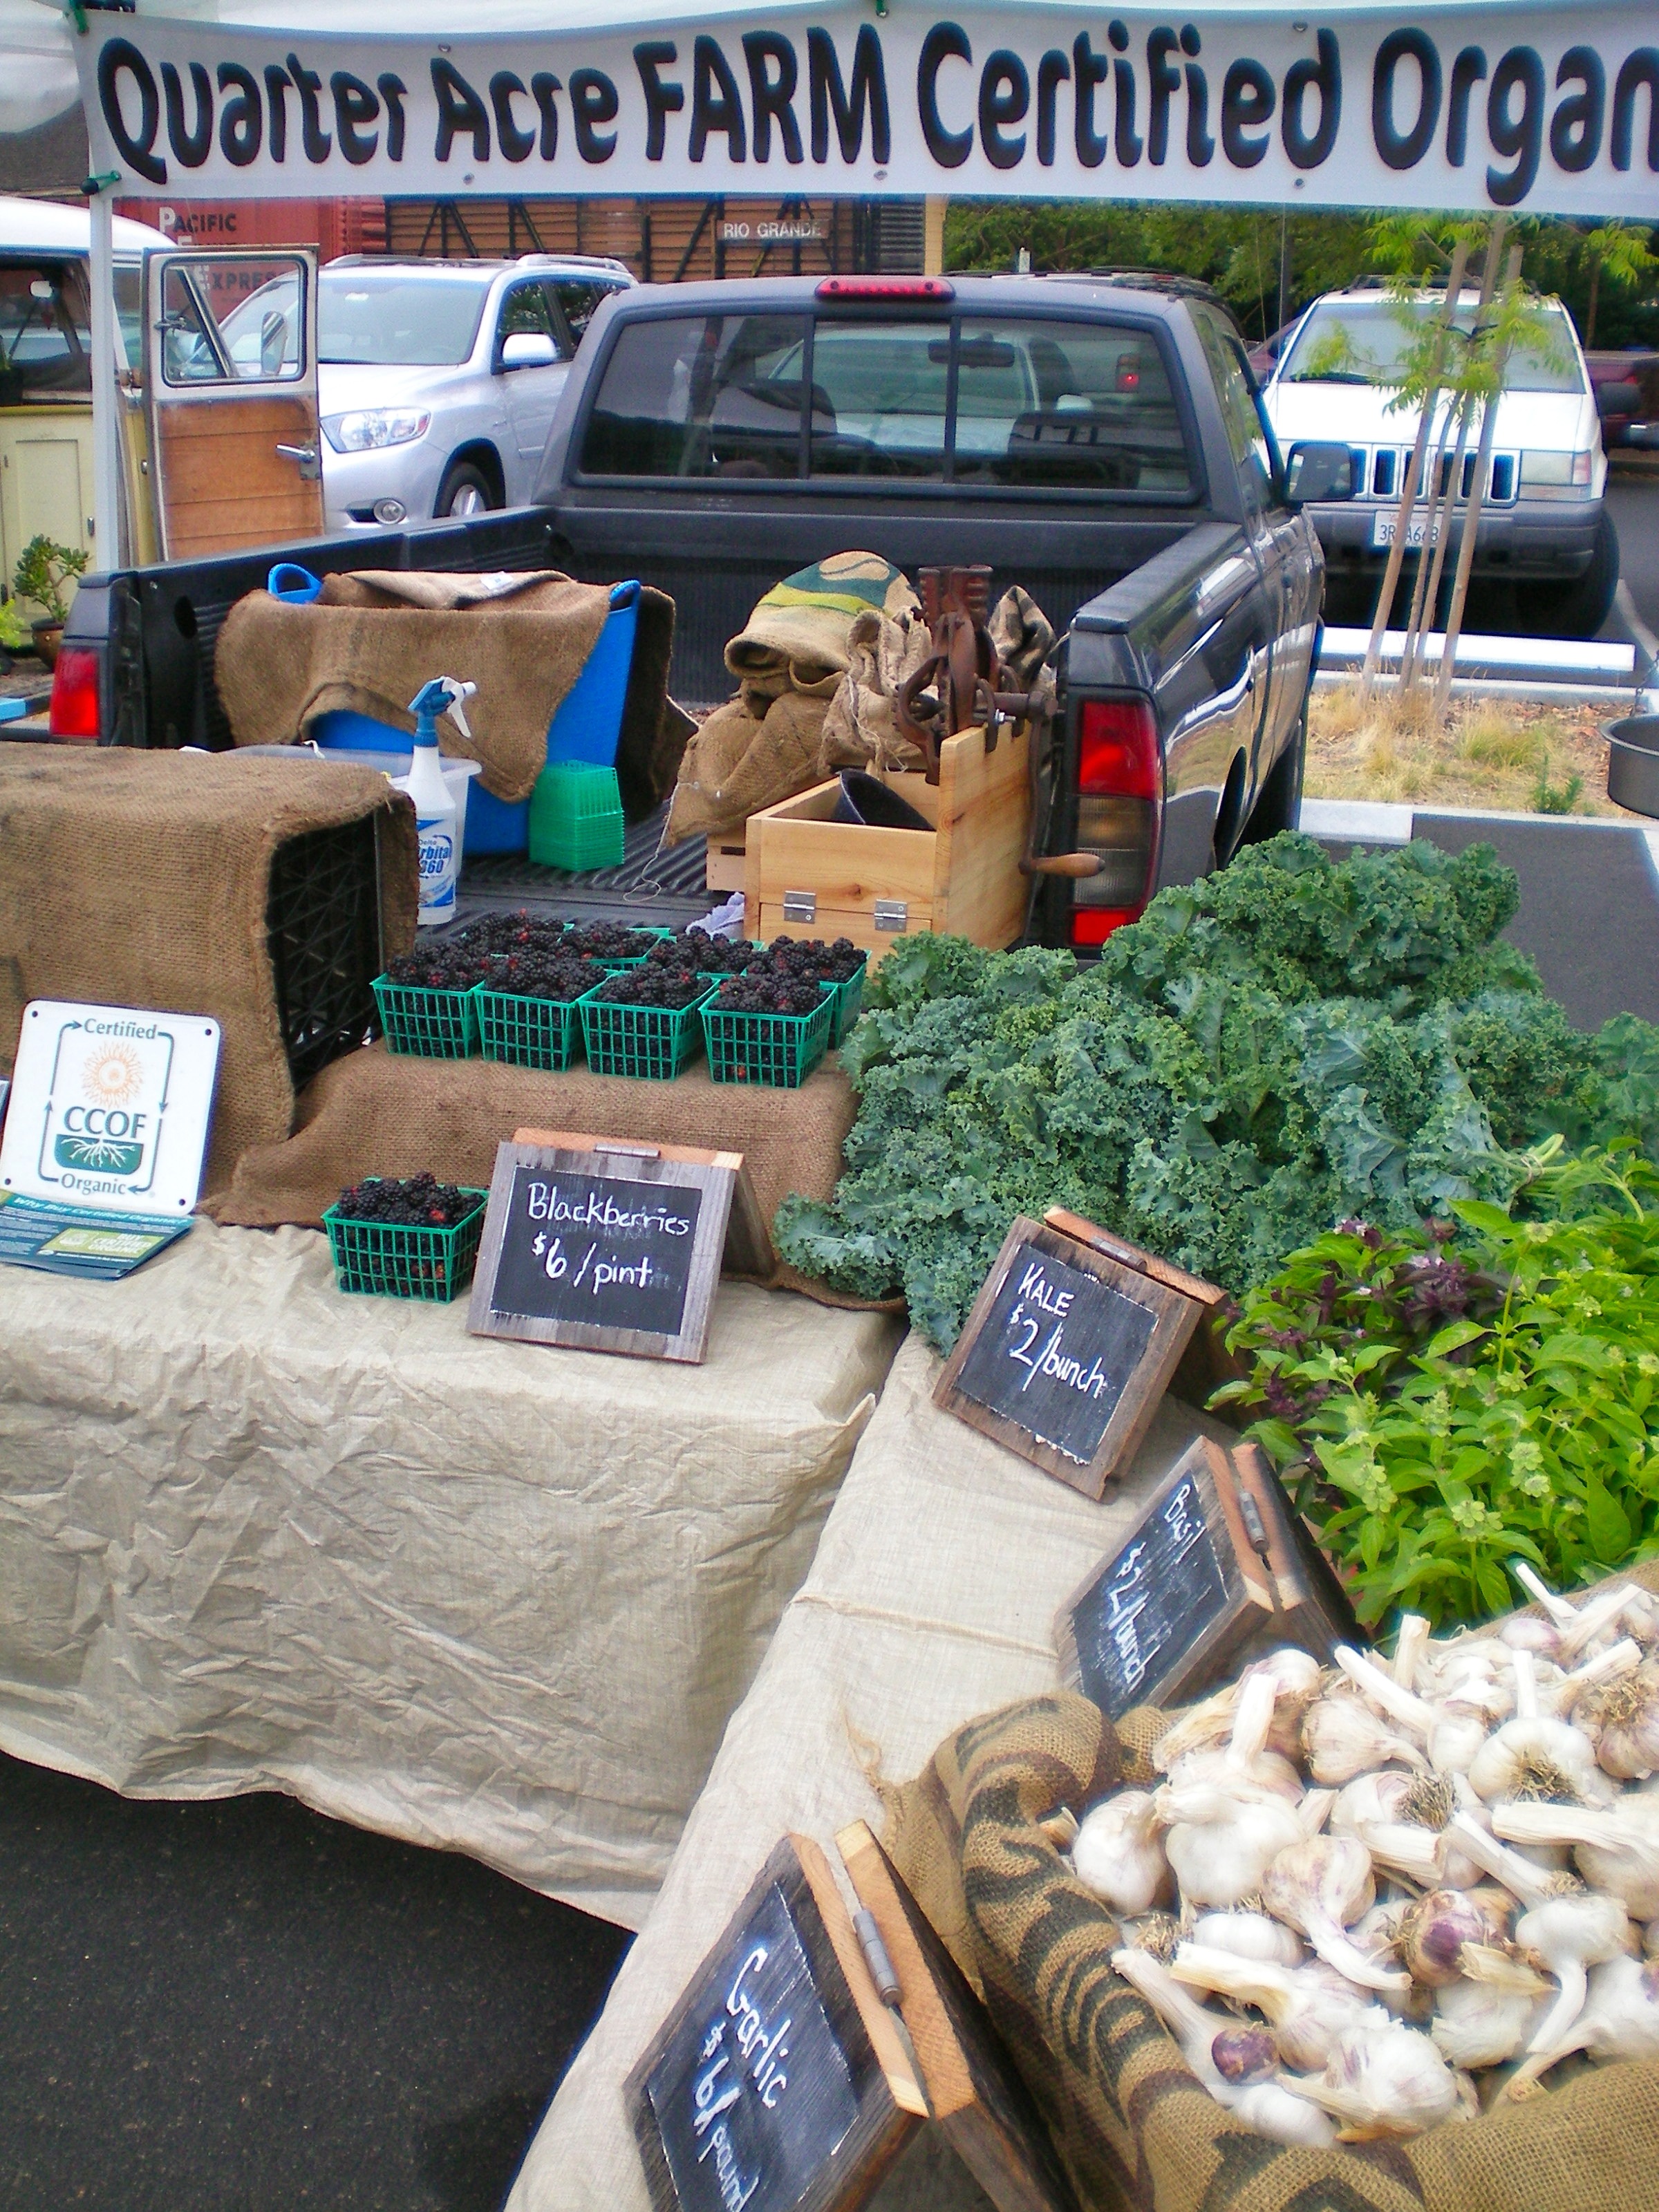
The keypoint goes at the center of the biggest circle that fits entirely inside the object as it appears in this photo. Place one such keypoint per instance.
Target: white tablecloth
(932, 1599)
(495, 1597)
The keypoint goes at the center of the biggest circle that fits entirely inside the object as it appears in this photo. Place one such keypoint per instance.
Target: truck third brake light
(1119, 787)
(887, 288)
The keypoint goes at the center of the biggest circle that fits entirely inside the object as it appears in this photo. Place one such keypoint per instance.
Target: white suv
(436, 380)
(1543, 527)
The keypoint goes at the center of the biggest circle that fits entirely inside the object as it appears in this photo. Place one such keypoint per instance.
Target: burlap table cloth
(489, 1597)
(375, 637)
(380, 1113)
(1133, 2126)
(140, 878)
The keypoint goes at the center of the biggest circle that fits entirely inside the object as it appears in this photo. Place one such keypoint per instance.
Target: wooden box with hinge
(809, 875)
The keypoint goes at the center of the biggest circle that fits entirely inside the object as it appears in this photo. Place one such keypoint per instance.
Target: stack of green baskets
(779, 1051)
(576, 817)
(395, 1260)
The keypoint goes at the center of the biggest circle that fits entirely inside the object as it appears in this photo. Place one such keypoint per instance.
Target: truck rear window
(45, 347)
(988, 401)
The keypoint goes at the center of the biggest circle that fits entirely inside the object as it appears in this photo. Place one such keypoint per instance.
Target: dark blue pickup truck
(1097, 439)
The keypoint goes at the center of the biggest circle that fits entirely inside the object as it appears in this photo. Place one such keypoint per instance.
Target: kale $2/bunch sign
(1070, 1344)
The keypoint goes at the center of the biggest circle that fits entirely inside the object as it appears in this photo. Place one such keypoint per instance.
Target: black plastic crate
(323, 927)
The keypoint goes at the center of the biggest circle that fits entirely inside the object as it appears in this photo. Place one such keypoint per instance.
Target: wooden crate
(962, 878)
(726, 861)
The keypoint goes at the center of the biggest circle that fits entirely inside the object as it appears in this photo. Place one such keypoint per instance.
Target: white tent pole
(109, 551)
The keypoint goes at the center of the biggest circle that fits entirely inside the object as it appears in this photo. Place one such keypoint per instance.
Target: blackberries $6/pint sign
(1070, 1344)
(1550, 111)
(611, 1246)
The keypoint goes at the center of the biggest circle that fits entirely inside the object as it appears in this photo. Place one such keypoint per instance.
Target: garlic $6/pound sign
(1384, 1896)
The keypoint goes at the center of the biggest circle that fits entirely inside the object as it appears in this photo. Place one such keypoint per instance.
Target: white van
(1543, 529)
(46, 370)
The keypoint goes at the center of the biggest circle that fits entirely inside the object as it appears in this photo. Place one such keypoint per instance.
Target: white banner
(1554, 113)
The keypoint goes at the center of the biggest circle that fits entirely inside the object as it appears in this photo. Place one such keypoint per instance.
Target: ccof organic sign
(1554, 111)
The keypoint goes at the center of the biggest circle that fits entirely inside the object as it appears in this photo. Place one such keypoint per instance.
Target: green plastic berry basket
(654, 1042)
(393, 1260)
(849, 1000)
(526, 1032)
(778, 1050)
(576, 817)
(426, 1023)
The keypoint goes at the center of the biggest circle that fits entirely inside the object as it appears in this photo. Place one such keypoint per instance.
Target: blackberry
(449, 966)
(753, 993)
(828, 964)
(418, 1201)
(609, 940)
(536, 972)
(670, 989)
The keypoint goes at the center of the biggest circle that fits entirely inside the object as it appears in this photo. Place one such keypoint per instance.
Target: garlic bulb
(1342, 1737)
(1599, 1612)
(1309, 2007)
(1622, 1720)
(1476, 2025)
(1227, 2057)
(1434, 1932)
(1118, 1855)
(1295, 1676)
(1319, 1886)
(1619, 2020)
(1409, 1647)
(1534, 1755)
(1452, 1736)
(1389, 2081)
(1225, 1832)
(1526, 1632)
(1616, 1851)
(1374, 1797)
(1248, 1936)
(1567, 1935)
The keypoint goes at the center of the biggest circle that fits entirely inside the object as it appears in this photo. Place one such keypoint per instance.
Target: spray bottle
(435, 808)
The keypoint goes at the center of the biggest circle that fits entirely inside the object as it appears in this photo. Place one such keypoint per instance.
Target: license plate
(1416, 531)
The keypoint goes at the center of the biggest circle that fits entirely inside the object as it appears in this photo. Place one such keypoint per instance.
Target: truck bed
(663, 888)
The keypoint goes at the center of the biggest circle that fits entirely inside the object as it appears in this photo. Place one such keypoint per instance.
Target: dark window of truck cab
(45, 346)
(1066, 406)
(700, 396)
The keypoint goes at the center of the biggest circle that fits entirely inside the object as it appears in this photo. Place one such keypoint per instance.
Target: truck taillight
(74, 712)
(1120, 788)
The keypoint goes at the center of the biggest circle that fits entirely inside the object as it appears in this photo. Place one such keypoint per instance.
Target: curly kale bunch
(1288, 1042)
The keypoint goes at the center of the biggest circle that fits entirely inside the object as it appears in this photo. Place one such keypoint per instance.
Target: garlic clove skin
(1478, 2026)
(1386, 2081)
(1342, 1737)
(1309, 2007)
(1220, 1842)
(1319, 1886)
(1118, 1855)
(1253, 1935)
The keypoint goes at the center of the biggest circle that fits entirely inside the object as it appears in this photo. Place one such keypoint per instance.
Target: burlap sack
(378, 1113)
(375, 637)
(884, 649)
(739, 762)
(1130, 2122)
(799, 627)
(140, 878)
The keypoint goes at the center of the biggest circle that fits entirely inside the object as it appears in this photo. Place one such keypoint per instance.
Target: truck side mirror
(1318, 472)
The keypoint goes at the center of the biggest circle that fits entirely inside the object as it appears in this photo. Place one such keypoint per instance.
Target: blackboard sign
(1211, 1575)
(1066, 1352)
(778, 2083)
(613, 1248)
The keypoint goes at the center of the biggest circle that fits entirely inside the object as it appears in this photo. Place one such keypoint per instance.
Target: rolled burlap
(379, 1113)
(1132, 2124)
(737, 763)
(372, 639)
(141, 879)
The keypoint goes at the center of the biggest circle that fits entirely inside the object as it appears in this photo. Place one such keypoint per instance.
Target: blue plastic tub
(587, 726)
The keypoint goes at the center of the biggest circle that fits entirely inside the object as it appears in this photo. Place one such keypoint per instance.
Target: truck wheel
(465, 491)
(1279, 803)
(1574, 610)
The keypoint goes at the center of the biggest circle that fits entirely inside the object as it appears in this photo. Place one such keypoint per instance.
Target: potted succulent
(43, 569)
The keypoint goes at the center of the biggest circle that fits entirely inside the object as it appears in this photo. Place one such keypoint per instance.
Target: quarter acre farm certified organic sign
(1550, 111)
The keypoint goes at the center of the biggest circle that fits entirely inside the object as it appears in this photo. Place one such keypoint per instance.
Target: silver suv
(437, 379)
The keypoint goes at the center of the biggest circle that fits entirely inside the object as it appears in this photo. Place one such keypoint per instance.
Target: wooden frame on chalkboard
(1174, 1312)
(888, 2099)
(1268, 1586)
(749, 1249)
(716, 1176)
(979, 2099)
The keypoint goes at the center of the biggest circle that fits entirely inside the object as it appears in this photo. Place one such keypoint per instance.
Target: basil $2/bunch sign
(606, 1247)
(1069, 1347)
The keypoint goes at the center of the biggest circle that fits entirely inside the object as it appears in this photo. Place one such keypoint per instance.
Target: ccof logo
(104, 1133)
